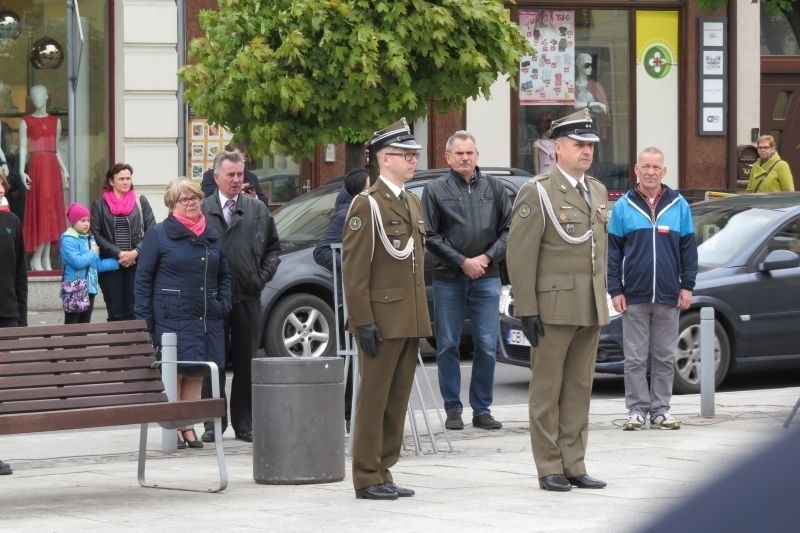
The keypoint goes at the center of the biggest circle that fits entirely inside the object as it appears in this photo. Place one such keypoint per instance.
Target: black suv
(297, 305)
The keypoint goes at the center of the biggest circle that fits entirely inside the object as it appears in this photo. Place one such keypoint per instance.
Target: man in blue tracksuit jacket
(652, 266)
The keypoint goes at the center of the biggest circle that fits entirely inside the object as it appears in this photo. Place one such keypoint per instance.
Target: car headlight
(506, 301)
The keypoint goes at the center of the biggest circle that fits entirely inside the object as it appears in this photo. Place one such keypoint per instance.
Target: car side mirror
(778, 260)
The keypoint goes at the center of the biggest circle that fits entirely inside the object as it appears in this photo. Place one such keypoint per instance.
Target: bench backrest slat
(76, 353)
(85, 378)
(72, 329)
(67, 367)
(69, 391)
(111, 339)
(80, 403)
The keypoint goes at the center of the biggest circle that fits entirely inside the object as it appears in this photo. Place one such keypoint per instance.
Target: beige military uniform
(389, 292)
(565, 284)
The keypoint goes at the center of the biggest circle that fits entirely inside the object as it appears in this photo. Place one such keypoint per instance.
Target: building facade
(652, 72)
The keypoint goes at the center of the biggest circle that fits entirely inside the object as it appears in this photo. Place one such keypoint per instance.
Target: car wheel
(687, 360)
(300, 325)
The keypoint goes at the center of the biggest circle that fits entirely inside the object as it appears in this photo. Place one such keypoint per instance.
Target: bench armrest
(212, 367)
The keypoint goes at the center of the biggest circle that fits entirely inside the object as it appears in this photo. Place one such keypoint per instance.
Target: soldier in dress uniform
(384, 286)
(557, 263)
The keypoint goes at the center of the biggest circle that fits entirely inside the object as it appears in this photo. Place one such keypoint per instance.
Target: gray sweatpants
(649, 334)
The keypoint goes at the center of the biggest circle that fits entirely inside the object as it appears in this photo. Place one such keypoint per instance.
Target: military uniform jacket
(379, 288)
(551, 277)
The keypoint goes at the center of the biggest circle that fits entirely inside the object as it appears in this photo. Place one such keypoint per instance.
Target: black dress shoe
(585, 481)
(555, 482)
(246, 436)
(5, 469)
(401, 491)
(208, 436)
(376, 492)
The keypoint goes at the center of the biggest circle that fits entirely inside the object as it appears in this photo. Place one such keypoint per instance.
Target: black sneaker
(5, 469)
(454, 421)
(485, 421)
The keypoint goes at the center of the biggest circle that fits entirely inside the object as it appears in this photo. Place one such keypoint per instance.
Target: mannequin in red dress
(46, 179)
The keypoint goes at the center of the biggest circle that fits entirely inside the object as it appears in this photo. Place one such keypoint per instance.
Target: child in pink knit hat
(80, 257)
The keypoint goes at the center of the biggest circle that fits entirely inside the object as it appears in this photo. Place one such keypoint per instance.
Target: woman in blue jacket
(80, 257)
(183, 286)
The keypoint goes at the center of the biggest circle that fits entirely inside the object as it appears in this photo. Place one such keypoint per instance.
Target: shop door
(780, 114)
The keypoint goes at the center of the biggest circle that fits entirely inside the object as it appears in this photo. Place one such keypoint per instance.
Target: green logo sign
(657, 61)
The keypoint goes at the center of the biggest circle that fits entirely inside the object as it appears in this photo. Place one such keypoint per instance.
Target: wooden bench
(94, 375)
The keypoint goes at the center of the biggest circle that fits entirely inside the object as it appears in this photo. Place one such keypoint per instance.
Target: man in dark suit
(251, 246)
(557, 263)
(384, 287)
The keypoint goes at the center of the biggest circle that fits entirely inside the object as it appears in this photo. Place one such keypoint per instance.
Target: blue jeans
(453, 301)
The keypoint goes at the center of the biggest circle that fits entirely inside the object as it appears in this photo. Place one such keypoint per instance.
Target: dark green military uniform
(390, 293)
(565, 284)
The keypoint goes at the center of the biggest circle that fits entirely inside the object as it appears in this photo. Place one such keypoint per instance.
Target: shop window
(581, 60)
(33, 53)
(781, 105)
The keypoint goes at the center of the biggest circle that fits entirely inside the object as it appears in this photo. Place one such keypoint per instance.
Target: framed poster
(713, 119)
(547, 76)
(207, 140)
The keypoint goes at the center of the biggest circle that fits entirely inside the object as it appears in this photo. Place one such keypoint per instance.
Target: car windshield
(722, 231)
(304, 220)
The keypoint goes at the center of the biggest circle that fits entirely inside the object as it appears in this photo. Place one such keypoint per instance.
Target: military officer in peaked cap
(384, 286)
(557, 263)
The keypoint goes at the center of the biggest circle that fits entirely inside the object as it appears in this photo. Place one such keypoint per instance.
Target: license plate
(517, 338)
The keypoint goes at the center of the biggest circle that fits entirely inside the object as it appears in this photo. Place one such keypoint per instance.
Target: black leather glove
(533, 328)
(368, 338)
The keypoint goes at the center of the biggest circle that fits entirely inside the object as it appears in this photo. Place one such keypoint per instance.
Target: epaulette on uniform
(595, 179)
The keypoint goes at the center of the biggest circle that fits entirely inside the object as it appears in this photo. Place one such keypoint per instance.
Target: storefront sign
(712, 77)
(548, 75)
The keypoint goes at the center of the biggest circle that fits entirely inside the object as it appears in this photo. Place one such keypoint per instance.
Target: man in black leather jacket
(251, 246)
(467, 219)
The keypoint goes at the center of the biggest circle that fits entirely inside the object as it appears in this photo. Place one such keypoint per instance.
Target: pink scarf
(195, 227)
(120, 206)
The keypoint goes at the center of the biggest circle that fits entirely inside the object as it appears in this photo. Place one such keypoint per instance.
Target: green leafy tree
(772, 6)
(290, 75)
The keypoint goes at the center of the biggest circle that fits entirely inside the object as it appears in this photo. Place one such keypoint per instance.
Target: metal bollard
(169, 375)
(707, 371)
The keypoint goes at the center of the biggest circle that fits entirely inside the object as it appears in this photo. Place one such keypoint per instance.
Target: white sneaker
(635, 421)
(664, 421)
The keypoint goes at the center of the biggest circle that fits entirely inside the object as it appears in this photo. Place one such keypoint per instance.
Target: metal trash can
(298, 420)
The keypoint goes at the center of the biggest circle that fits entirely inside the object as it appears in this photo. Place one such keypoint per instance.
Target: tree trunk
(353, 156)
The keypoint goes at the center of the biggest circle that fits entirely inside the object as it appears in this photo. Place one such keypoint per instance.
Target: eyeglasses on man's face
(189, 200)
(408, 156)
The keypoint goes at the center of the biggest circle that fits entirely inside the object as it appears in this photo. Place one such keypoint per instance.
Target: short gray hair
(233, 157)
(651, 150)
(461, 135)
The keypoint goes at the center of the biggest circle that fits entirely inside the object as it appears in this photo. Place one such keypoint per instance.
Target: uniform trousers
(242, 328)
(649, 335)
(383, 394)
(559, 394)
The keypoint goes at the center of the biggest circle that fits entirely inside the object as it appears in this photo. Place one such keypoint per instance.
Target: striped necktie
(230, 205)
